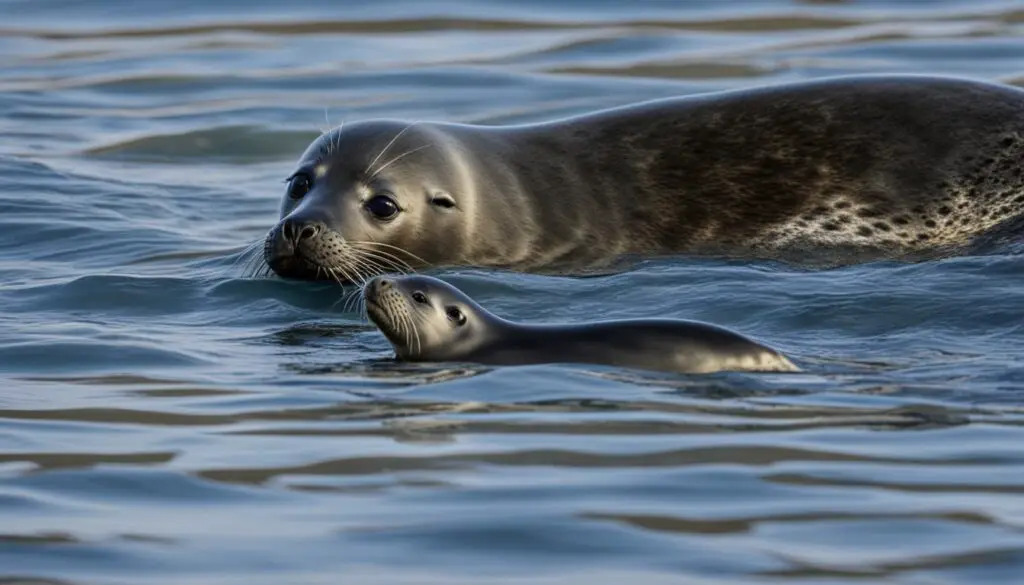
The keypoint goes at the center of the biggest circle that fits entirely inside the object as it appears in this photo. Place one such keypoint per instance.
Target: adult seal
(833, 170)
(429, 320)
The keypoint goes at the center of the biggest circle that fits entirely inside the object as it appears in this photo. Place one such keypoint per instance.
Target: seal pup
(429, 320)
(829, 171)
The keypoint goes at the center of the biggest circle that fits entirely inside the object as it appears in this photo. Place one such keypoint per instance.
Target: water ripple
(172, 417)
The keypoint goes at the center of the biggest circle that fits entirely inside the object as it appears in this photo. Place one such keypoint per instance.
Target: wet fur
(421, 331)
(835, 170)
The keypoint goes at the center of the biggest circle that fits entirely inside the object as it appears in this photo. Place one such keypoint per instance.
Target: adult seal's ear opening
(827, 171)
(428, 320)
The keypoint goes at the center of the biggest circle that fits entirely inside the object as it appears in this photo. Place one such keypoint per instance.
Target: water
(166, 420)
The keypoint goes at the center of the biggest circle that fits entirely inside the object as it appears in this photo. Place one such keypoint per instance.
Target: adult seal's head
(367, 198)
(428, 320)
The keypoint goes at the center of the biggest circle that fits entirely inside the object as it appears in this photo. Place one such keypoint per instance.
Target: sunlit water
(166, 420)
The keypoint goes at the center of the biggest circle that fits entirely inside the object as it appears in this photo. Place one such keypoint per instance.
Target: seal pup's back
(655, 344)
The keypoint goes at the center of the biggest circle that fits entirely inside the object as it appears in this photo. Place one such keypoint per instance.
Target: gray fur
(837, 170)
(422, 330)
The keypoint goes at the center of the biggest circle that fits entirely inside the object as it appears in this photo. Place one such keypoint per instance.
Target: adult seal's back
(835, 170)
(429, 320)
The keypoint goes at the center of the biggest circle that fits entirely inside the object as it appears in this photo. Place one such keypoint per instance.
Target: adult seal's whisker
(398, 158)
(393, 255)
(369, 167)
(385, 263)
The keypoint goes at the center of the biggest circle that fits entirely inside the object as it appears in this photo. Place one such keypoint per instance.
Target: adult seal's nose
(298, 231)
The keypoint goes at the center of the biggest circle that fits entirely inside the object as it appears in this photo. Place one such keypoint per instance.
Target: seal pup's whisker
(388, 145)
(405, 331)
(354, 303)
(415, 331)
(403, 325)
(364, 314)
(348, 304)
(359, 304)
(396, 159)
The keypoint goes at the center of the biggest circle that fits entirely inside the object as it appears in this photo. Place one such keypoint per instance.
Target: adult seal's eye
(299, 185)
(382, 207)
(419, 297)
(455, 315)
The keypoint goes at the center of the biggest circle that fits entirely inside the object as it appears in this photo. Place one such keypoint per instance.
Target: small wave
(238, 144)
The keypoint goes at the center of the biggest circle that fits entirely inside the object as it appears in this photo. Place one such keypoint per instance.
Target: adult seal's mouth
(285, 257)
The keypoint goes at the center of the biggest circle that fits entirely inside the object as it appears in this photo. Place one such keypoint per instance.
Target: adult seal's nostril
(297, 232)
(308, 232)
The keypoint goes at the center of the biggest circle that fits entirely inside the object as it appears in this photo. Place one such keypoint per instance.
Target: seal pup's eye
(298, 185)
(455, 315)
(419, 297)
(382, 207)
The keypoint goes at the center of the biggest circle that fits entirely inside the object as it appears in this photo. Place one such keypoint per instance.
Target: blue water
(167, 419)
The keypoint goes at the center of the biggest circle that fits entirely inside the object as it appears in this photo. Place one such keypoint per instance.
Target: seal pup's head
(424, 318)
(368, 198)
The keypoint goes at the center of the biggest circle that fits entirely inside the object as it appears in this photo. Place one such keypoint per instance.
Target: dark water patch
(53, 461)
(131, 485)
(33, 356)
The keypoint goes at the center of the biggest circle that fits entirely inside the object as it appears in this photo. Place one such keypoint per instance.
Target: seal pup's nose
(378, 284)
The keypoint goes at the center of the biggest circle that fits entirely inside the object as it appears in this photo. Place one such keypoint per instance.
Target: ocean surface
(165, 418)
